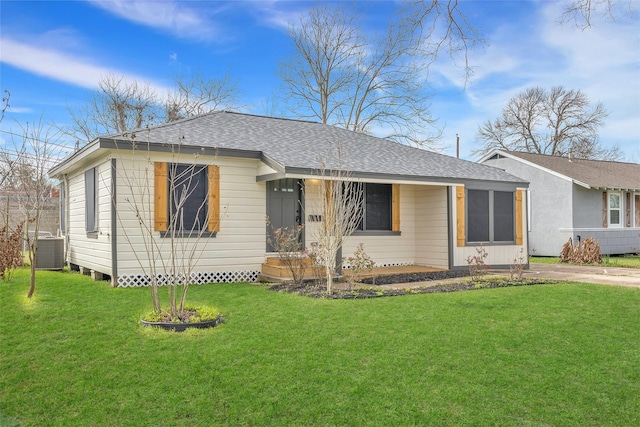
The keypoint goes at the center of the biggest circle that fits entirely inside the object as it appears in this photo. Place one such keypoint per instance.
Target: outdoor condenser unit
(50, 254)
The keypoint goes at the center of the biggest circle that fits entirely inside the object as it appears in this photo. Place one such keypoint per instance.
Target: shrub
(585, 252)
(359, 262)
(477, 266)
(287, 242)
(10, 253)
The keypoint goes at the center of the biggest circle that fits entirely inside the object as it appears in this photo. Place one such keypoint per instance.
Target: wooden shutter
(460, 215)
(160, 195)
(213, 173)
(395, 207)
(519, 216)
(604, 209)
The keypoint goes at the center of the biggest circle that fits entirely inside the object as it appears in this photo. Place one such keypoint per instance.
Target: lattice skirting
(197, 278)
(386, 264)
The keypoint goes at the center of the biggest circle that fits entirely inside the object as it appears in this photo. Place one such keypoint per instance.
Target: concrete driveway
(587, 274)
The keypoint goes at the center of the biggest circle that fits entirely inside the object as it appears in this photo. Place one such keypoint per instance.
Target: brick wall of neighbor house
(12, 214)
(552, 205)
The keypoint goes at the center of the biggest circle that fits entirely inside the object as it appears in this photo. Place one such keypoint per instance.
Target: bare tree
(338, 199)
(558, 122)
(198, 95)
(581, 12)
(5, 103)
(368, 82)
(174, 243)
(118, 106)
(114, 108)
(34, 154)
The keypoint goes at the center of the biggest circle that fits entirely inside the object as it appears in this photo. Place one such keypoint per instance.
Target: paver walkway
(574, 273)
(587, 274)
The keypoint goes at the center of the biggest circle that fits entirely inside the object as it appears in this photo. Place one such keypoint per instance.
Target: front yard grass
(562, 354)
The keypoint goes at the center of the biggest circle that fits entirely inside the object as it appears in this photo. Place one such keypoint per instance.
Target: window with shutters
(490, 216)
(186, 199)
(614, 209)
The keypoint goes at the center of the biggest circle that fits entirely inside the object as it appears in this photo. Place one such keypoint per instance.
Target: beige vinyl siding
(432, 244)
(384, 250)
(391, 250)
(498, 255)
(238, 246)
(90, 252)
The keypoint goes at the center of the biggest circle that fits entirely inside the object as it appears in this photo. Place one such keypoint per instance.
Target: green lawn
(607, 261)
(552, 355)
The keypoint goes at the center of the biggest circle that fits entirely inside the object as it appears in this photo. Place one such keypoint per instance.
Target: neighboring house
(574, 198)
(420, 207)
(13, 211)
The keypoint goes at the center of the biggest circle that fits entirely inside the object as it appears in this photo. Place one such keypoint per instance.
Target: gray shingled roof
(594, 173)
(302, 145)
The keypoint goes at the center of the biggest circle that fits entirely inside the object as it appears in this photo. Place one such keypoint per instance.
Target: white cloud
(176, 17)
(62, 66)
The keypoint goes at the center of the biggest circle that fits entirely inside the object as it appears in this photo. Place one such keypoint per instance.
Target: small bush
(10, 253)
(585, 252)
(359, 262)
(477, 266)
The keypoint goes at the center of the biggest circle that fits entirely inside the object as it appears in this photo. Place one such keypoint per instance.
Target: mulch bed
(415, 277)
(313, 290)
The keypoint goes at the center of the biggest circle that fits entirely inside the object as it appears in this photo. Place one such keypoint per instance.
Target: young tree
(168, 260)
(34, 154)
(344, 76)
(558, 122)
(338, 199)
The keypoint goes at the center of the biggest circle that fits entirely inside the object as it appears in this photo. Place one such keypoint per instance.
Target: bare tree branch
(558, 122)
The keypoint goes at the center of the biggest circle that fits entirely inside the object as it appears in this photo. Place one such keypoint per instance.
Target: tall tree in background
(114, 108)
(118, 105)
(198, 95)
(366, 82)
(581, 12)
(558, 122)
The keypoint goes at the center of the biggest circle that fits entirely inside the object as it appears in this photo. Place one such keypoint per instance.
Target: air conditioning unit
(50, 254)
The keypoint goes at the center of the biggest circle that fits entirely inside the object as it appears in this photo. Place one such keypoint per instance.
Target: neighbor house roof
(303, 147)
(588, 173)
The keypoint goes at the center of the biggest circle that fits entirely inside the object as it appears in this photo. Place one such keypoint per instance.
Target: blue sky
(53, 53)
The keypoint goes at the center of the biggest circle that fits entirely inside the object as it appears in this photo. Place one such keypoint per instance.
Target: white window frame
(619, 209)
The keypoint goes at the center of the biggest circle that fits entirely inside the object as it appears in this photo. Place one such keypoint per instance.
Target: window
(376, 207)
(187, 198)
(91, 200)
(490, 216)
(614, 210)
(380, 208)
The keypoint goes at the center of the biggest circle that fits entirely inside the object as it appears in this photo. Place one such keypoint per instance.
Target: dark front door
(284, 206)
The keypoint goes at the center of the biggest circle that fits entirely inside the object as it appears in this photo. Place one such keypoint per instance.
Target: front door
(284, 205)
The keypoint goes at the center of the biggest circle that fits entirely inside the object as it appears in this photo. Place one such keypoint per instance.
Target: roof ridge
(569, 158)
